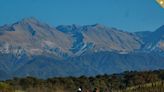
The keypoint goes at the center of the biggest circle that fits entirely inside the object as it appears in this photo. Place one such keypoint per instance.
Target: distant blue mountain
(31, 48)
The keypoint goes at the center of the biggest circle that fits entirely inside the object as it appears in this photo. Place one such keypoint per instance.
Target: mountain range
(32, 48)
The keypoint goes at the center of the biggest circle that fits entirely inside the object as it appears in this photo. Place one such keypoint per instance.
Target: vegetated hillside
(88, 64)
(147, 81)
(30, 47)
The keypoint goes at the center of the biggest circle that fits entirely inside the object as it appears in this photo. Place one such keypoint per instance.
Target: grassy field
(148, 87)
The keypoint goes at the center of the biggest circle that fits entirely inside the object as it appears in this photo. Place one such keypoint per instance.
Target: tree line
(129, 80)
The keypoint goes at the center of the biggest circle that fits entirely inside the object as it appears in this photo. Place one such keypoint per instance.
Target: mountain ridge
(30, 47)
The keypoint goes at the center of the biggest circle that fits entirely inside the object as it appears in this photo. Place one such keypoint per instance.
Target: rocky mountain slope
(153, 41)
(31, 48)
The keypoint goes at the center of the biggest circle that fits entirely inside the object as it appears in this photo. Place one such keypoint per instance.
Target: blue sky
(128, 15)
